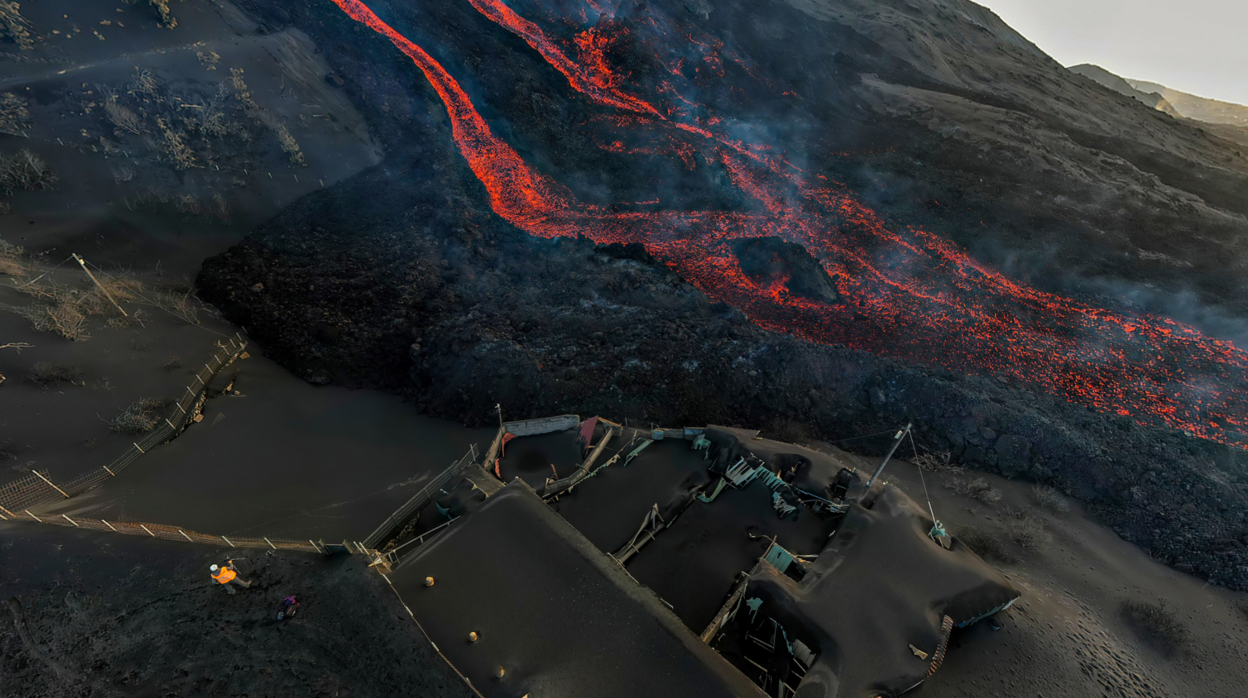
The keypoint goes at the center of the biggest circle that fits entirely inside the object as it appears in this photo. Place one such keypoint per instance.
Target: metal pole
(896, 442)
(109, 296)
(41, 477)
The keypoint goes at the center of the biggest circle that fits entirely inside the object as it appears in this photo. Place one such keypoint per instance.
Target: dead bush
(986, 545)
(938, 462)
(1050, 498)
(14, 115)
(181, 304)
(123, 117)
(15, 26)
(1156, 622)
(140, 417)
(174, 147)
(1029, 533)
(977, 489)
(121, 288)
(63, 314)
(167, 20)
(122, 173)
(144, 82)
(288, 143)
(47, 375)
(25, 170)
(12, 260)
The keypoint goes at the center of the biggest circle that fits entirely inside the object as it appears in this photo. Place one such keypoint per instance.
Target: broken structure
(619, 561)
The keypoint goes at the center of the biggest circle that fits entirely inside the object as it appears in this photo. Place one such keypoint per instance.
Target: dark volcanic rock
(772, 260)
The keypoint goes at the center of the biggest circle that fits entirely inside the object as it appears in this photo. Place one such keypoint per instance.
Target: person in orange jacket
(227, 577)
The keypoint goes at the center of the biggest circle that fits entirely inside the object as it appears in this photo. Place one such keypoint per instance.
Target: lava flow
(906, 294)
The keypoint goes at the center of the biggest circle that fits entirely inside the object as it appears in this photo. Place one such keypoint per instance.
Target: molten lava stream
(908, 295)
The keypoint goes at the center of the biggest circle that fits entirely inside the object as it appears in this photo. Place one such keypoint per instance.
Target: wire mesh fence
(38, 489)
(175, 533)
(426, 493)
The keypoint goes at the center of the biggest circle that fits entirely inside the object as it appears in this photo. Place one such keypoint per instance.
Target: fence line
(419, 499)
(37, 489)
(151, 530)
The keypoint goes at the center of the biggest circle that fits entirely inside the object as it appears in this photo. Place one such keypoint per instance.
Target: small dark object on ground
(173, 364)
(1155, 621)
(987, 546)
(45, 374)
(287, 608)
(140, 417)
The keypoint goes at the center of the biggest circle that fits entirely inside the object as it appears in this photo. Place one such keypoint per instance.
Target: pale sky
(1195, 46)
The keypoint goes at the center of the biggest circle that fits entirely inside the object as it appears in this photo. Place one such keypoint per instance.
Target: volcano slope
(912, 131)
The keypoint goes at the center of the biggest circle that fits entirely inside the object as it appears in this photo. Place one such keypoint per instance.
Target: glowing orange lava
(906, 294)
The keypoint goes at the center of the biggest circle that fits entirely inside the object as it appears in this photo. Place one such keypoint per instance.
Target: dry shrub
(144, 82)
(209, 59)
(15, 26)
(1029, 533)
(288, 143)
(284, 138)
(140, 417)
(14, 115)
(25, 170)
(12, 261)
(122, 116)
(937, 462)
(62, 313)
(122, 173)
(986, 545)
(167, 20)
(173, 364)
(121, 288)
(1156, 622)
(46, 375)
(1050, 498)
(181, 304)
(977, 489)
(174, 148)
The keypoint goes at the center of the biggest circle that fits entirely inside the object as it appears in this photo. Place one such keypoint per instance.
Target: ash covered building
(586, 558)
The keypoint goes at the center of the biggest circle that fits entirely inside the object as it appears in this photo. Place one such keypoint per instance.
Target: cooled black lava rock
(769, 260)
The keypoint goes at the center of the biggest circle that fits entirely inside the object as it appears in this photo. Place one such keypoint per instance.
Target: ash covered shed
(556, 614)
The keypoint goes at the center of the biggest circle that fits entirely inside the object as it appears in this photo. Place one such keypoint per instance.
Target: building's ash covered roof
(556, 613)
(879, 586)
